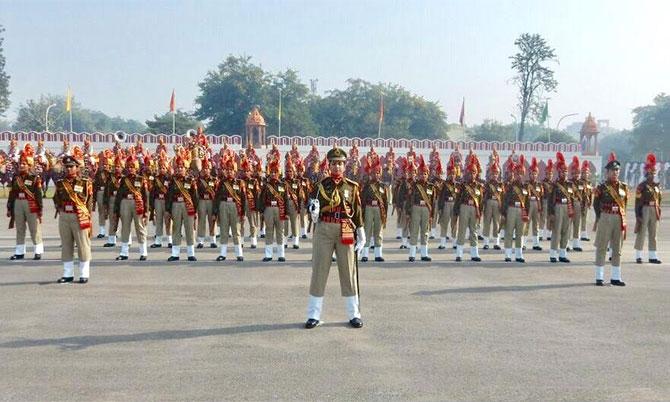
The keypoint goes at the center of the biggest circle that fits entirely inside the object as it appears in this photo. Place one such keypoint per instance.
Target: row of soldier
(196, 191)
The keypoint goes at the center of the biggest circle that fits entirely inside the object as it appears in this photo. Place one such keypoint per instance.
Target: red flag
(173, 103)
(461, 119)
(381, 108)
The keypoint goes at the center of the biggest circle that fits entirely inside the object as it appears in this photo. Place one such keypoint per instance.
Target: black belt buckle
(336, 215)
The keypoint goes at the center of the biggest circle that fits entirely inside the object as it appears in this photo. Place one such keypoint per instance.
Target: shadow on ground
(495, 289)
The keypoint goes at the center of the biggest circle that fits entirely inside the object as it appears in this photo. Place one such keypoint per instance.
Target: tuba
(120, 136)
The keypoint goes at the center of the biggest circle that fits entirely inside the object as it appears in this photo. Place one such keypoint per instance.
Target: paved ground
(439, 331)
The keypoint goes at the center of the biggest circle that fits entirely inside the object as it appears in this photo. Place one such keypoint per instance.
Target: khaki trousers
(128, 216)
(159, 219)
(608, 233)
(446, 219)
(252, 218)
(292, 221)
(492, 218)
(513, 225)
(560, 230)
(585, 214)
(229, 220)
(419, 225)
(180, 218)
(544, 222)
(71, 234)
(373, 226)
(647, 226)
(576, 220)
(467, 219)
(205, 217)
(113, 223)
(273, 227)
(22, 218)
(535, 218)
(327, 240)
(102, 208)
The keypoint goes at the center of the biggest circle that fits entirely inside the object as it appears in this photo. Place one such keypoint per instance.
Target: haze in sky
(125, 57)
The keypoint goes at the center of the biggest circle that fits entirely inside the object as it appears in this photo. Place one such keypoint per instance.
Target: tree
(554, 136)
(31, 117)
(651, 128)
(4, 79)
(492, 130)
(621, 143)
(163, 124)
(532, 77)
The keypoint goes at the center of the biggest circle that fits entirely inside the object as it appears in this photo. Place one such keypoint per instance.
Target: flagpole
(173, 122)
(71, 119)
(381, 115)
(279, 115)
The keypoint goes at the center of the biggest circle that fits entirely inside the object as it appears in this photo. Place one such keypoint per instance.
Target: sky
(125, 57)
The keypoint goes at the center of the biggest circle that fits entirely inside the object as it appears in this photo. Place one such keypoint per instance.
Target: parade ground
(232, 330)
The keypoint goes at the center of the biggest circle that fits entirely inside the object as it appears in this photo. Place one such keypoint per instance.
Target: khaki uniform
(374, 200)
(272, 202)
(548, 189)
(181, 199)
(296, 198)
(535, 211)
(229, 204)
(468, 207)
(419, 204)
(99, 184)
(340, 213)
(561, 207)
(73, 200)
(493, 193)
(575, 222)
(253, 189)
(24, 204)
(131, 205)
(609, 205)
(400, 192)
(206, 216)
(587, 203)
(648, 199)
(445, 207)
(159, 191)
(515, 211)
(109, 199)
(305, 188)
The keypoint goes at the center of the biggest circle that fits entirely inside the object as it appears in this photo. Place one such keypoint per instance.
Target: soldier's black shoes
(143, 258)
(172, 258)
(262, 236)
(220, 258)
(553, 259)
(486, 247)
(520, 260)
(169, 245)
(200, 245)
(212, 245)
(285, 245)
(83, 281)
(333, 259)
(402, 246)
(638, 260)
(281, 259)
(480, 237)
(578, 249)
(65, 279)
(654, 261)
(615, 282)
(304, 236)
(253, 246)
(496, 247)
(411, 259)
(16, 257)
(441, 247)
(110, 245)
(192, 258)
(585, 239)
(507, 259)
(100, 236)
(458, 259)
(312, 323)
(295, 247)
(398, 237)
(156, 246)
(426, 259)
(364, 259)
(563, 259)
(266, 259)
(379, 259)
(121, 258)
(476, 259)
(431, 237)
(37, 257)
(240, 258)
(548, 238)
(356, 323)
(537, 248)
(599, 282)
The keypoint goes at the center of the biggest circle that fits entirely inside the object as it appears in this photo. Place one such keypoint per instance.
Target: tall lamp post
(516, 130)
(563, 117)
(46, 117)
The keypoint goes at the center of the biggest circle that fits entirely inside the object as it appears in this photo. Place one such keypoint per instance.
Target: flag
(545, 113)
(461, 118)
(381, 108)
(173, 103)
(68, 100)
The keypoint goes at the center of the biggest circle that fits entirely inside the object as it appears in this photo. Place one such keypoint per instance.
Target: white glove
(314, 206)
(360, 240)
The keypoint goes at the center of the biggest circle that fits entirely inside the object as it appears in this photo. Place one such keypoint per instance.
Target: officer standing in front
(335, 206)
(647, 211)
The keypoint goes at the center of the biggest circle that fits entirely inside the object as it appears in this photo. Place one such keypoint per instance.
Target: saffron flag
(173, 103)
(68, 100)
(461, 118)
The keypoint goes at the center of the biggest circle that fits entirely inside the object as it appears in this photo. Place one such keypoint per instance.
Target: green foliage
(532, 76)
(492, 130)
(4, 125)
(163, 124)
(31, 117)
(551, 135)
(621, 143)
(651, 128)
(4, 79)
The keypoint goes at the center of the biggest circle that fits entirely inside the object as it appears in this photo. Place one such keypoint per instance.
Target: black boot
(616, 282)
(312, 323)
(66, 279)
(16, 257)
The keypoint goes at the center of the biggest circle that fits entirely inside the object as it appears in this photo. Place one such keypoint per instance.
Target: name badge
(236, 187)
(280, 189)
(346, 193)
(187, 186)
(588, 186)
(537, 189)
(78, 188)
(451, 199)
(524, 192)
(166, 183)
(580, 187)
(477, 192)
(294, 186)
(564, 200)
(211, 184)
(500, 189)
(570, 190)
(28, 182)
(622, 192)
(381, 190)
(151, 177)
(137, 184)
(250, 186)
(429, 192)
